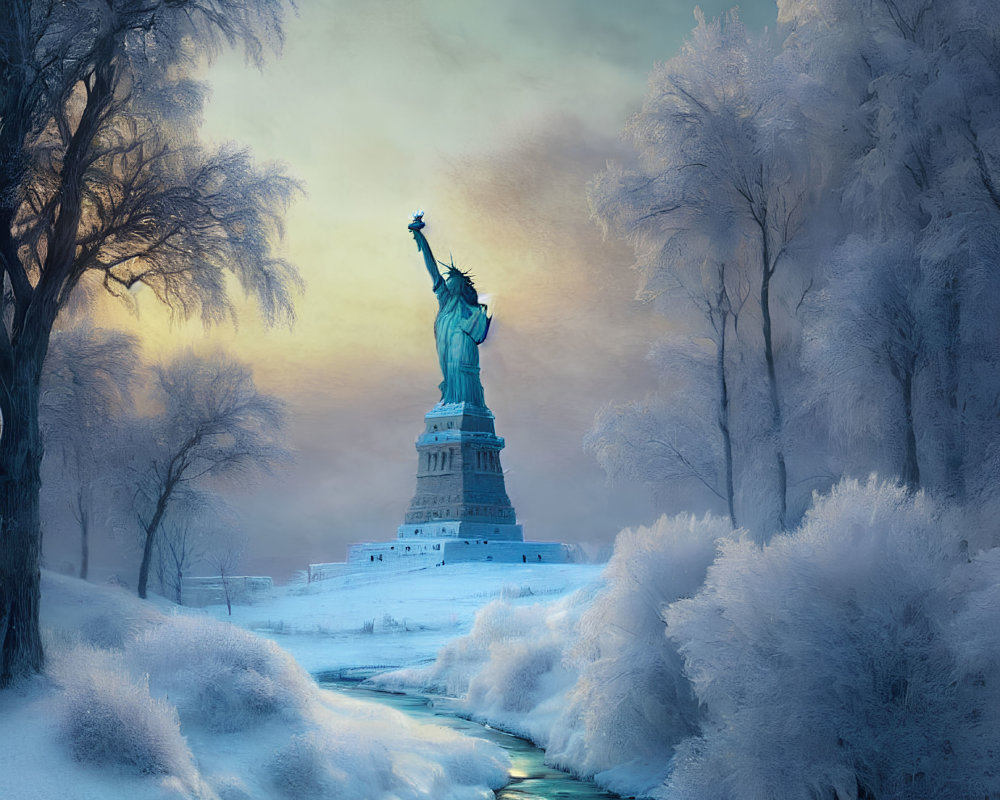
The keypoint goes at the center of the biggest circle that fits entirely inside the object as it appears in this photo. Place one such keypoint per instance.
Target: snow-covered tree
(867, 345)
(86, 392)
(721, 180)
(179, 547)
(678, 441)
(198, 528)
(916, 83)
(181, 540)
(224, 557)
(103, 182)
(214, 424)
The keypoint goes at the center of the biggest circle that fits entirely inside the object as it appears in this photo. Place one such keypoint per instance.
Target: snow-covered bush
(311, 765)
(512, 683)
(632, 703)
(523, 683)
(108, 718)
(845, 659)
(383, 753)
(510, 669)
(220, 676)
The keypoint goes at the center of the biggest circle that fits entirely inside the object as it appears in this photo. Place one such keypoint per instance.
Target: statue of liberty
(460, 327)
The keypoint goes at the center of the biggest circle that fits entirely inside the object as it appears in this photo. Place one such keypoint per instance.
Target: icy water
(530, 779)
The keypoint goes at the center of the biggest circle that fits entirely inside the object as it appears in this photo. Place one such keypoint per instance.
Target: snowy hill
(363, 622)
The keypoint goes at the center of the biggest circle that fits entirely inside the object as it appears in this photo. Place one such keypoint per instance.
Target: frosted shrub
(383, 754)
(511, 679)
(510, 668)
(220, 676)
(632, 703)
(841, 661)
(497, 623)
(523, 683)
(306, 767)
(523, 666)
(109, 719)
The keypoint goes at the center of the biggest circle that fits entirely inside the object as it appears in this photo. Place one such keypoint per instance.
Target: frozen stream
(530, 779)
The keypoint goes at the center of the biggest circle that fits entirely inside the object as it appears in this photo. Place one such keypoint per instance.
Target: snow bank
(188, 707)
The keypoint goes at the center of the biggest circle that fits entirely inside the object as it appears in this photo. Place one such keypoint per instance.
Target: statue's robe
(459, 329)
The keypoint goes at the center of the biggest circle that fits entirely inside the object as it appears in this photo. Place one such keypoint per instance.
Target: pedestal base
(462, 529)
(416, 554)
(459, 476)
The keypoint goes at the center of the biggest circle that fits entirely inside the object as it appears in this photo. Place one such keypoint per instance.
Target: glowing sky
(492, 117)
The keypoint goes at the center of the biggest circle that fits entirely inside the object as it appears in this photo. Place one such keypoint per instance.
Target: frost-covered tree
(181, 540)
(224, 557)
(683, 434)
(86, 392)
(665, 442)
(866, 341)
(103, 183)
(198, 526)
(916, 82)
(721, 177)
(214, 424)
(179, 547)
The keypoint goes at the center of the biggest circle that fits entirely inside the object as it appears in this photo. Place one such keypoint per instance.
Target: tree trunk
(84, 533)
(151, 529)
(225, 587)
(20, 481)
(772, 383)
(954, 425)
(911, 467)
(727, 442)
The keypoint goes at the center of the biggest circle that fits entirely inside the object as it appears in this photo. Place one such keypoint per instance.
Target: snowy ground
(376, 621)
(148, 701)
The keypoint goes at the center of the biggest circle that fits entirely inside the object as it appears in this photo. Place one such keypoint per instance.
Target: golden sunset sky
(491, 117)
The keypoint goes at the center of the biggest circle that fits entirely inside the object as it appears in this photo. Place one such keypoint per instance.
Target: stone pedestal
(460, 487)
(460, 512)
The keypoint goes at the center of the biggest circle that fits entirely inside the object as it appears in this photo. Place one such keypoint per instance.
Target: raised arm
(424, 247)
